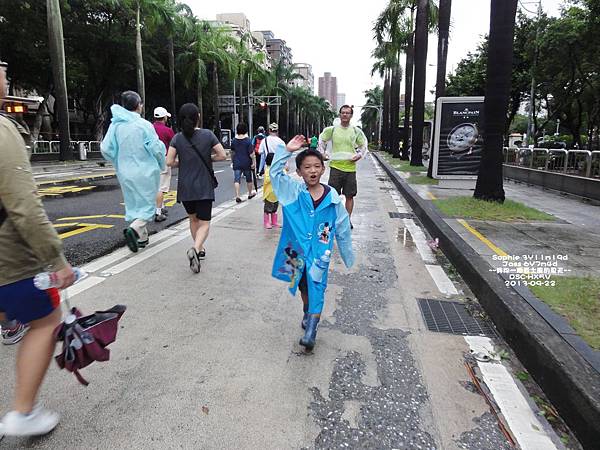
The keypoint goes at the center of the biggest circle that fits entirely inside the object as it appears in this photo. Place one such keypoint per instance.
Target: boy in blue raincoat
(312, 215)
(133, 147)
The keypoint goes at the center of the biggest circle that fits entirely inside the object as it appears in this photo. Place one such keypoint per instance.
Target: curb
(76, 179)
(566, 377)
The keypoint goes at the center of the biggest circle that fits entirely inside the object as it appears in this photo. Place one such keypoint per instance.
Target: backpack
(257, 141)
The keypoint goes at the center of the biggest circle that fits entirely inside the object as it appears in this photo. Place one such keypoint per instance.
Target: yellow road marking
(497, 250)
(99, 216)
(83, 177)
(84, 227)
(59, 190)
(170, 198)
(431, 196)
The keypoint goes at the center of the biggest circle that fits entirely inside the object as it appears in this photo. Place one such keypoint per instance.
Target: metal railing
(583, 163)
(52, 147)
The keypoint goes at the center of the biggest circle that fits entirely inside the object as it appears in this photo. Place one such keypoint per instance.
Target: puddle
(405, 237)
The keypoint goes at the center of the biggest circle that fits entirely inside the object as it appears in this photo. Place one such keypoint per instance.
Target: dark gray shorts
(271, 207)
(343, 182)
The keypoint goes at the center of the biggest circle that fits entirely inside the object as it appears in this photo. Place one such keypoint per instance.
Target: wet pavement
(212, 360)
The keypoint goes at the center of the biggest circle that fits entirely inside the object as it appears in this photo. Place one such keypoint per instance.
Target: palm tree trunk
(386, 111)
(216, 110)
(419, 85)
(172, 79)
(497, 92)
(408, 84)
(287, 117)
(199, 97)
(139, 58)
(241, 99)
(445, 9)
(57, 60)
(395, 110)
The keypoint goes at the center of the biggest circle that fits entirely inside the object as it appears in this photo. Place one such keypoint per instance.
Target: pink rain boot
(274, 220)
(267, 221)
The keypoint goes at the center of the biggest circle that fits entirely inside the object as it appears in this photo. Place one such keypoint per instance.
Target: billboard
(458, 139)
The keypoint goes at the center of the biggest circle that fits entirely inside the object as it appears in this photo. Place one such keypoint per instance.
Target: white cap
(161, 112)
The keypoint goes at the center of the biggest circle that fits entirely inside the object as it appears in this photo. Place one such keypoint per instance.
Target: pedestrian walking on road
(256, 141)
(348, 145)
(134, 149)
(313, 214)
(29, 245)
(269, 197)
(269, 145)
(243, 161)
(165, 134)
(193, 150)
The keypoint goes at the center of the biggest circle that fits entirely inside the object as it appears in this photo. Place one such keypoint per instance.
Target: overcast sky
(336, 36)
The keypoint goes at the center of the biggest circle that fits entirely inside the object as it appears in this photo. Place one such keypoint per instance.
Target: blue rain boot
(305, 316)
(310, 335)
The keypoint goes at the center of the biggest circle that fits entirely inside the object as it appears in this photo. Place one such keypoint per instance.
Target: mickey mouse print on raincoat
(306, 232)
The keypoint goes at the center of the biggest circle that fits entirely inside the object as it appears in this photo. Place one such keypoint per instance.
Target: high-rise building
(308, 79)
(340, 101)
(277, 48)
(328, 88)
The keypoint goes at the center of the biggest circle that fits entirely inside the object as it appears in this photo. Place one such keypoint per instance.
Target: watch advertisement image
(458, 137)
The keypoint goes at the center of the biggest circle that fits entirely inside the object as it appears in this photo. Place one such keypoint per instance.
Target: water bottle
(317, 270)
(47, 280)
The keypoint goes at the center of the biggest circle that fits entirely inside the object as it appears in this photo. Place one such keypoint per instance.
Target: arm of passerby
(343, 235)
(362, 146)
(108, 146)
(155, 147)
(218, 153)
(22, 204)
(172, 160)
(286, 189)
(324, 137)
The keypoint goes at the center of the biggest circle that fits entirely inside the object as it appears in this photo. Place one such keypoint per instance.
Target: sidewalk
(212, 360)
(59, 172)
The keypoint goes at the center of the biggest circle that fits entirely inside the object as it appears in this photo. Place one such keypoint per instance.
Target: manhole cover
(398, 215)
(452, 317)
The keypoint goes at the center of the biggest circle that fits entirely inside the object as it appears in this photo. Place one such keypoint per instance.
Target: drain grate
(398, 215)
(453, 318)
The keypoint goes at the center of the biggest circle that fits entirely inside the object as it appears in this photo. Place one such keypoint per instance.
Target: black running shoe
(131, 238)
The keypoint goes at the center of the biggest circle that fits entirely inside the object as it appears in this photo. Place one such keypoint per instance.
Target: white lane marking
(420, 241)
(442, 281)
(222, 215)
(521, 419)
(144, 255)
(123, 252)
(83, 285)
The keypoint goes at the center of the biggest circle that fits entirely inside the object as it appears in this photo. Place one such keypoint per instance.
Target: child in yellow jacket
(269, 197)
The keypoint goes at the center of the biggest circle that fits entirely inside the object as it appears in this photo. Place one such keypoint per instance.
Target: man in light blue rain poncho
(134, 149)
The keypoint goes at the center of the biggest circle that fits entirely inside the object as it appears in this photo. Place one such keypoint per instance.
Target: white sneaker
(39, 421)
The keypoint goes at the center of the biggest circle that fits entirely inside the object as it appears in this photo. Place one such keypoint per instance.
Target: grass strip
(421, 179)
(472, 208)
(577, 299)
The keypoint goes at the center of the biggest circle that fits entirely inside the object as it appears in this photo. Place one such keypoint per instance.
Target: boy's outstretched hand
(296, 143)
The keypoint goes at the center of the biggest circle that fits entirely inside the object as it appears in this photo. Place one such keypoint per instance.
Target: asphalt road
(88, 215)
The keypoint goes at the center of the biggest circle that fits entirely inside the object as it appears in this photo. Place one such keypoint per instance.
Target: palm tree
(139, 57)
(57, 60)
(419, 86)
(369, 117)
(445, 11)
(497, 92)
